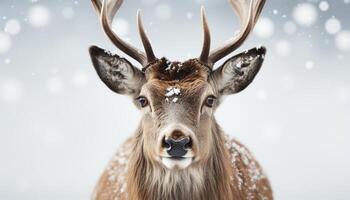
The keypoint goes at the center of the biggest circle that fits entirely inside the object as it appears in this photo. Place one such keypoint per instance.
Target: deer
(178, 150)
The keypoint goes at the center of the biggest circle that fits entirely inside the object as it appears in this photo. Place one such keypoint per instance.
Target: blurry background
(59, 124)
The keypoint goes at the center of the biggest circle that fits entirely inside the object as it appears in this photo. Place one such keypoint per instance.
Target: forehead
(177, 79)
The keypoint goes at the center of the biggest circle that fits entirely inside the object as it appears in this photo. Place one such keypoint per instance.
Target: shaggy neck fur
(208, 179)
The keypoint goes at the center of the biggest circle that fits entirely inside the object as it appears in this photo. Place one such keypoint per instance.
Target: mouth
(179, 162)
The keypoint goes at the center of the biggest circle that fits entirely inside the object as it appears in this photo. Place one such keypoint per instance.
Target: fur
(231, 172)
(223, 168)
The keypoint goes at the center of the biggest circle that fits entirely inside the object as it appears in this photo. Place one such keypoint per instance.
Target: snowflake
(342, 40)
(305, 14)
(121, 26)
(171, 94)
(171, 91)
(11, 90)
(12, 27)
(324, 6)
(264, 28)
(309, 65)
(333, 25)
(39, 16)
(5, 42)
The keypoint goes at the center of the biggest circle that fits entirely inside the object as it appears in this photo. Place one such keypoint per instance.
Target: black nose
(177, 147)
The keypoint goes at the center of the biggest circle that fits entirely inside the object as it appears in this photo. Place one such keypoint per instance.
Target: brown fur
(188, 71)
(189, 75)
(230, 173)
(225, 171)
(180, 98)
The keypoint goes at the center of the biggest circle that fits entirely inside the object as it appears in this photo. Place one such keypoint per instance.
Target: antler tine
(258, 8)
(97, 5)
(248, 15)
(145, 41)
(107, 11)
(125, 47)
(206, 39)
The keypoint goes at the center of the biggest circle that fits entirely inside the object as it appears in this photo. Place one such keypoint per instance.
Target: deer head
(178, 99)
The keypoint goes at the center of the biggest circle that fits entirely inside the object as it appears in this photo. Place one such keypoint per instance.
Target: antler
(106, 11)
(248, 12)
(206, 40)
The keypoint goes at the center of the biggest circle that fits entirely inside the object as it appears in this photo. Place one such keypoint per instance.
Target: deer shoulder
(248, 176)
(112, 183)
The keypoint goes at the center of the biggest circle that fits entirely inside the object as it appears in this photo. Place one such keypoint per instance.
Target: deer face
(178, 100)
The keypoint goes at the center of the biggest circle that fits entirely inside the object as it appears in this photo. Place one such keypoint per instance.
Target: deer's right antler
(106, 11)
(248, 12)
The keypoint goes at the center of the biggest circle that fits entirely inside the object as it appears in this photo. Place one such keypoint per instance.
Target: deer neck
(206, 180)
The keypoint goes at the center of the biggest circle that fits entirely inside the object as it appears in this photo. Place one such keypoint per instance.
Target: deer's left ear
(237, 72)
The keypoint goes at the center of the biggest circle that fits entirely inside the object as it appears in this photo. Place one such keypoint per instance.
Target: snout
(177, 146)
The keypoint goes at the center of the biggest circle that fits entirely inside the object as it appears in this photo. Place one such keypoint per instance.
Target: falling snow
(303, 39)
(342, 40)
(305, 14)
(7, 61)
(121, 26)
(324, 6)
(333, 25)
(189, 15)
(5, 42)
(12, 27)
(11, 90)
(39, 16)
(309, 65)
(264, 27)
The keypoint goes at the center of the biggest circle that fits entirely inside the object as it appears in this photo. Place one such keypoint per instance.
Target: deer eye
(210, 101)
(143, 102)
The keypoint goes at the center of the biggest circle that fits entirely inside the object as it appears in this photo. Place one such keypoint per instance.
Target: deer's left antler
(248, 12)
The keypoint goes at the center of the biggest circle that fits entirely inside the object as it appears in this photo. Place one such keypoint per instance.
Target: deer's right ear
(117, 73)
(238, 71)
